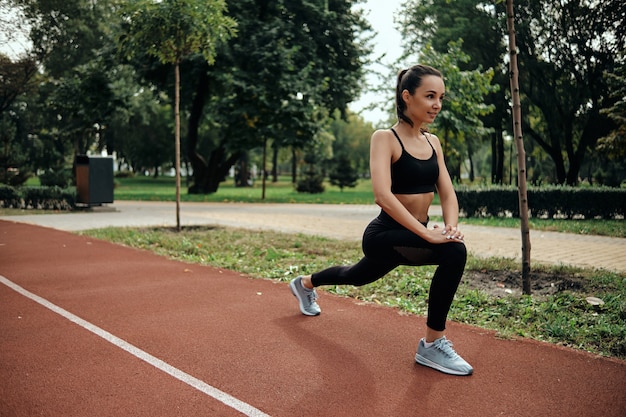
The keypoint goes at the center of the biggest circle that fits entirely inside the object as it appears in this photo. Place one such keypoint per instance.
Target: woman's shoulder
(382, 134)
(434, 139)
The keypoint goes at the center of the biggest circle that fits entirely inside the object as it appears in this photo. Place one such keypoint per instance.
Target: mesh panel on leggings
(415, 256)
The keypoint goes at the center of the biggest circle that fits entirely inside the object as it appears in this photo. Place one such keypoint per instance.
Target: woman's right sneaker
(442, 357)
(306, 297)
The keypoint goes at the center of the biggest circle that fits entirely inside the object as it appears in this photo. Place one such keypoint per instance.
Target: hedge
(494, 201)
(46, 198)
(544, 202)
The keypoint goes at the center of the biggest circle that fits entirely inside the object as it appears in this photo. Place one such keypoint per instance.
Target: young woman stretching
(407, 166)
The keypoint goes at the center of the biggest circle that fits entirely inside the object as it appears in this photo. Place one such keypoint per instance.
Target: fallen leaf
(594, 301)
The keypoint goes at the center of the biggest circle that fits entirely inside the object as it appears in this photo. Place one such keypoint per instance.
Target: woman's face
(425, 103)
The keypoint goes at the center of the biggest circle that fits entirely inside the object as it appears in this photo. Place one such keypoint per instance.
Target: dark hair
(410, 79)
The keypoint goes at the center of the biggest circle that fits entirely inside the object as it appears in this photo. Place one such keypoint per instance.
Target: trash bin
(94, 180)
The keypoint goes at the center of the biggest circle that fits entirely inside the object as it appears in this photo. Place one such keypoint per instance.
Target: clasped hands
(448, 233)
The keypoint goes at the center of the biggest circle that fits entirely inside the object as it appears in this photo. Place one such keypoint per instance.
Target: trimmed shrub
(550, 202)
(45, 198)
(9, 197)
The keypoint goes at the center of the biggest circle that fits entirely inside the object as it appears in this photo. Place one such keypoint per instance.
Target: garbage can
(94, 180)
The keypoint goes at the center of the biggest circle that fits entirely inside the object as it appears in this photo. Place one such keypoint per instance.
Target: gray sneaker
(442, 357)
(306, 297)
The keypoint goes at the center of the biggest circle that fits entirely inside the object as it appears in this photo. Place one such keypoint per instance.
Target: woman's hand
(447, 234)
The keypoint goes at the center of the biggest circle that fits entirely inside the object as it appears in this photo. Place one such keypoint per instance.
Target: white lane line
(201, 386)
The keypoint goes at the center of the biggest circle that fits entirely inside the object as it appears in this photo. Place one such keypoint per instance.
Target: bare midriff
(417, 204)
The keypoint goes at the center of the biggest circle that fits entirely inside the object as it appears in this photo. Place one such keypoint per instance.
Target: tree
(460, 118)
(145, 129)
(343, 173)
(66, 34)
(70, 109)
(16, 78)
(567, 47)
(351, 140)
(292, 64)
(83, 102)
(521, 154)
(475, 27)
(614, 143)
(173, 30)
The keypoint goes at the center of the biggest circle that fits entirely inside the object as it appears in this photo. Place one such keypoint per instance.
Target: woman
(407, 166)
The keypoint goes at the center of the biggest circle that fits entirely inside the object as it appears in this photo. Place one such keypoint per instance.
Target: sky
(380, 14)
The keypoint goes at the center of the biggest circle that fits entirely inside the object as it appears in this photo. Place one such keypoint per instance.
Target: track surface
(155, 337)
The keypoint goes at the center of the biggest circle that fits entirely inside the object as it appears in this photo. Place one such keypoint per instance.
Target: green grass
(164, 189)
(564, 318)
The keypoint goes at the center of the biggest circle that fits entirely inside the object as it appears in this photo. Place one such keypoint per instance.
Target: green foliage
(569, 46)
(312, 182)
(15, 166)
(10, 197)
(172, 30)
(352, 138)
(614, 144)
(554, 201)
(61, 177)
(16, 78)
(45, 198)
(291, 65)
(343, 174)
(147, 133)
(49, 198)
(460, 124)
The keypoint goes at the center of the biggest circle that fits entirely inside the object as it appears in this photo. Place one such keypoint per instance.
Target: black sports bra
(410, 175)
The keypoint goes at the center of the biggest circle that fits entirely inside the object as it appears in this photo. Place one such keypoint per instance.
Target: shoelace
(446, 347)
(311, 296)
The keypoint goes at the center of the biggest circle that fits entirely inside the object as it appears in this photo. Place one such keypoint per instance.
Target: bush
(124, 174)
(550, 202)
(45, 198)
(59, 178)
(48, 198)
(9, 197)
(311, 183)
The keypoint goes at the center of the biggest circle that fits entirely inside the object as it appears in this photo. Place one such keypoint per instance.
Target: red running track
(89, 328)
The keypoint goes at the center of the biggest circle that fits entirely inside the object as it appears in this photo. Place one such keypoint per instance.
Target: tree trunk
(275, 163)
(263, 168)
(177, 140)
(521, 154)
(500, 150)
(494, 159)
(470, 155)
(294, 165)
(198, 163)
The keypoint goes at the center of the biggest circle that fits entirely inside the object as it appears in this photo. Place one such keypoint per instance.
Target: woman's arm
(447, 195)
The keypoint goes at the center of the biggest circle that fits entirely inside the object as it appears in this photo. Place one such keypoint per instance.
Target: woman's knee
(455, 252)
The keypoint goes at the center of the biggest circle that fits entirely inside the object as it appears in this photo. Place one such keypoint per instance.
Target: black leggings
(386, 245)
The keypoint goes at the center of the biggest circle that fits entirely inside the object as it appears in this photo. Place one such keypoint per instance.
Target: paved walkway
(342, 222)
